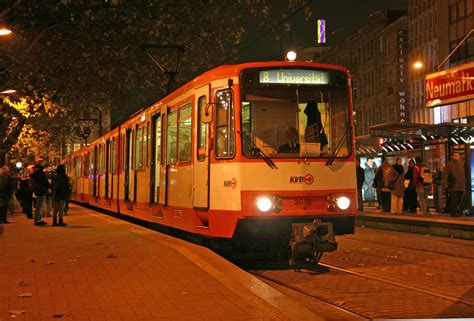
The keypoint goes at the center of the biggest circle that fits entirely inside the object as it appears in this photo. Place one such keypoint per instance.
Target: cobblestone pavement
(100, 268)
(385, 274)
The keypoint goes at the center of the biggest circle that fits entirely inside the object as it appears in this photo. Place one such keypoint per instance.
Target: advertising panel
(452, 85)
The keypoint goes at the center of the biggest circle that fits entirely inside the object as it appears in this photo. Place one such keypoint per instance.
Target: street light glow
(8, 91)
(5, 31)
(418, 64)
(291, 55)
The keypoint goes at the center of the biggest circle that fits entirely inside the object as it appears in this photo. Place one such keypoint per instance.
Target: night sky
(342, 17)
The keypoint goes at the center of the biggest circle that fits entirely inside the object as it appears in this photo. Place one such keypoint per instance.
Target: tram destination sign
(294, 76)
(450, 86)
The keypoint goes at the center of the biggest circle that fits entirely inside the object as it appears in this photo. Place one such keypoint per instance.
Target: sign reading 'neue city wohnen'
(449, 86)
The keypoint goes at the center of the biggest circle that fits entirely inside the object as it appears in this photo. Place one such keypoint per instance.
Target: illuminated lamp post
(5, 32)
(290, 56)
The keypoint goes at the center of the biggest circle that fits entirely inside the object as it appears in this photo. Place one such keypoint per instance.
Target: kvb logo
(308, 179)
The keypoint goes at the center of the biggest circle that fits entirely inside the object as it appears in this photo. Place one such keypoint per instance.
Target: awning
(407, 131)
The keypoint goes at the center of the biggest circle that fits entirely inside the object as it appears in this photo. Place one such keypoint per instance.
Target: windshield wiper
(339, 145)
(255, 149)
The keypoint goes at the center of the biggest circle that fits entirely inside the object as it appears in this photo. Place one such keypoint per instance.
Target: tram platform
(434, 223)
(102, 268)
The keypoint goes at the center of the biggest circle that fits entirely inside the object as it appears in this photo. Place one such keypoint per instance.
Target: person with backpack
(61, 193)
(455, 181)
(397, 188)
(420, 179)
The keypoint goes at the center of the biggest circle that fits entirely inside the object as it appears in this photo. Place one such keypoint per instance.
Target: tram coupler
(309, 241)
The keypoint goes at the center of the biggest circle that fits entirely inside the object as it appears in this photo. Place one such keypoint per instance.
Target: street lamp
(5, 32)
(419, 63)
(291, 55)
(8, 91)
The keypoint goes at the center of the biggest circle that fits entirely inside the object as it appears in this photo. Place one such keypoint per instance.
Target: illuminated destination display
(294, 76)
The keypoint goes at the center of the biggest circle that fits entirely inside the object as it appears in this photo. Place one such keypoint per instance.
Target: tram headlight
(264, 204)
(343, 202)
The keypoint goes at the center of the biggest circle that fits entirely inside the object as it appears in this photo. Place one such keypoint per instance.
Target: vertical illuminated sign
(322, 31)
(402, 49)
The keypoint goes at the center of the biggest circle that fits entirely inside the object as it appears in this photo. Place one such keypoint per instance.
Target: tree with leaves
(88, 55)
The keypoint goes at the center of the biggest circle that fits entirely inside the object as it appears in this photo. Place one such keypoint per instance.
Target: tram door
(128, 164)
(107, 159)
(163, 170)
(201, 157)
(155, 159)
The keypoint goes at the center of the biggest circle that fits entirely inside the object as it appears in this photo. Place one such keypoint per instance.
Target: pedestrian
(397, 189)
(46, 211)
(13, 204)
(419, 185)
(409, 198)
(25, 196)
(386, 170)
(61, 193)
(370, 169)
(455, 182)
(360, 176)
(40, 185)
(4, 193)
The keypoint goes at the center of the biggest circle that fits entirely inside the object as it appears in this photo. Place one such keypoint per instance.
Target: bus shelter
(435, 143)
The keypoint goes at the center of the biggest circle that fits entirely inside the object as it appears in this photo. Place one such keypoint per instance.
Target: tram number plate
(298, 202)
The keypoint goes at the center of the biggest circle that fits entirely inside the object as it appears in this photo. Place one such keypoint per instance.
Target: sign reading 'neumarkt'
(449, 86)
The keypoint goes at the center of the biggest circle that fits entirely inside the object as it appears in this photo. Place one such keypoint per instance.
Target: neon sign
(294, 76)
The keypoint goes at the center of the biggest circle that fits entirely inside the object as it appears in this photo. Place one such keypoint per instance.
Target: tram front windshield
(295, 113)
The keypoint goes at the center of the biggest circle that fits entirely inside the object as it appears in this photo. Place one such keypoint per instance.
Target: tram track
(320, 300)
(398, 284)
(418, 249)
(343, 299)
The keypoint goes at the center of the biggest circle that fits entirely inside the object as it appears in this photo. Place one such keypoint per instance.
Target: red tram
(239, 152)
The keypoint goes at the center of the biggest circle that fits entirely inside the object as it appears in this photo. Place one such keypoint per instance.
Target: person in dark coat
(397, 193)
(25, 196)
(454, 180)
(4, 193)
(61, 193)
(314, 128)
(360, 177)
(409, 197)
(40, 186)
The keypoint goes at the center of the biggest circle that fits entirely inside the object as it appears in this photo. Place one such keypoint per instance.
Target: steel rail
(394, 283)
(312, 296)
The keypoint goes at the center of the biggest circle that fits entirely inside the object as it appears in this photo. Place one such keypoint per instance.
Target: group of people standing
(399, 190)
(35, 187)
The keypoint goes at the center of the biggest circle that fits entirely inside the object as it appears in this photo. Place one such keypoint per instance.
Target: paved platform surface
(101, 268)
(433, 223)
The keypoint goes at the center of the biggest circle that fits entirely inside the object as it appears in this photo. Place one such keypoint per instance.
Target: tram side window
(202, 130)
(85, 167)
(77, 165)
(113, 155)
(184, 133)
(224, 130)
(91, 164)
(171, 138)
(139, 148)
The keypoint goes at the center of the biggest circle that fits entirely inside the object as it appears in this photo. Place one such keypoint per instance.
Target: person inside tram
(314, 131)
(293, 145)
